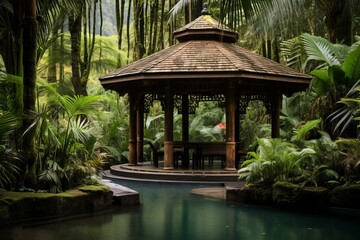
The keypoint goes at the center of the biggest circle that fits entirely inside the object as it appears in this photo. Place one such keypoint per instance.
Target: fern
(292, 53)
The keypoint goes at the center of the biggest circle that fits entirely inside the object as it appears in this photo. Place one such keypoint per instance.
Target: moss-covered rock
(254, 193)
(293, 195)
(285, 193)
(314, 197)
(22, 206)
(346, 196)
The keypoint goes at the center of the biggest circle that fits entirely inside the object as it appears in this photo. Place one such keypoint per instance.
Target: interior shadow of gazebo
(206, 65)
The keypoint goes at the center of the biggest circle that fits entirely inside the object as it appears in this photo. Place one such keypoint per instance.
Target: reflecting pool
(171, 212)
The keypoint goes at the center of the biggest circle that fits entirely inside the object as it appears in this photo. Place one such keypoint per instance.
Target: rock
(253, 193)
(122, 196)
(296, 196)
(346, 196)
(23, 206)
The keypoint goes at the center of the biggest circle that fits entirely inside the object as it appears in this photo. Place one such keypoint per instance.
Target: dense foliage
(58, 125)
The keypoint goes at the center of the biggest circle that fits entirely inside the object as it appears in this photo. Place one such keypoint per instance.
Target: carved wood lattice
(194, 100)
(245, 99)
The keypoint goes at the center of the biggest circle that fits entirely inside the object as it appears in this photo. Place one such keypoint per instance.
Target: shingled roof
(205, 28)
(206, 50)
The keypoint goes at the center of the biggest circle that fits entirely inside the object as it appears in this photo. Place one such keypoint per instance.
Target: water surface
(171, 212)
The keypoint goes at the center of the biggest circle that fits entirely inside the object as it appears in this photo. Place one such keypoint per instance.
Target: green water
(170, 212)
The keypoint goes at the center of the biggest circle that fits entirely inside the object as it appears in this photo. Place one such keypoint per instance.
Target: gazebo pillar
(230, 126)
(237, 131)
(185, 130)
(275, 115)
(132, 132)
(169, 127)
(140, 129)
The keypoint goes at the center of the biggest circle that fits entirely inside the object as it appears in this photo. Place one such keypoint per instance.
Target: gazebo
(205, 65)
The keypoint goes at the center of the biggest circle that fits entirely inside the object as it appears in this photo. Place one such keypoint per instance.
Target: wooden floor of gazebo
(147, 172)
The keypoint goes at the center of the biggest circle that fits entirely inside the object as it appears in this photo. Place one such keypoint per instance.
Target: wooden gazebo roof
(206, 51)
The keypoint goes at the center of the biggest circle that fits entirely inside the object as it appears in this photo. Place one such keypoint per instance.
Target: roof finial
(205, 10)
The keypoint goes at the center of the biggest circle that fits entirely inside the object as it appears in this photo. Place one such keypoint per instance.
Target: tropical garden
(58, 126)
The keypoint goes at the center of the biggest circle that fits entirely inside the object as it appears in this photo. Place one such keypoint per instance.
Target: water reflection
(171, 212)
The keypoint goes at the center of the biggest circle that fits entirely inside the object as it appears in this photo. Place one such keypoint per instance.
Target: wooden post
(169, 122)
(275, 115)
(132, 132)
(140, 129)
(237, 132)
(230, 127)
(185, 130)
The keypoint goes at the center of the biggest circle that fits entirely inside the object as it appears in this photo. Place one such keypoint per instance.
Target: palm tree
(268, 22)
(19, 48)
(338, 15)
(67, 145)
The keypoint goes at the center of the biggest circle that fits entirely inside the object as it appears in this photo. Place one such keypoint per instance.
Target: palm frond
(292, 53)
(8, 125)
(7, 5)
(177, 8)
(52, 176)
(80, 105)
(349, 110)
(319, 49)
(9, 170)
(80, 129)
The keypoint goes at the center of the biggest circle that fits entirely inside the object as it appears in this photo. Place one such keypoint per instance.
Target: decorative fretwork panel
(245, 99)
(193, 99)
(178, 103)
(150, 98)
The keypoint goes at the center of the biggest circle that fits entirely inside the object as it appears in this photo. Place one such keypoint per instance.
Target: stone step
(122, 196)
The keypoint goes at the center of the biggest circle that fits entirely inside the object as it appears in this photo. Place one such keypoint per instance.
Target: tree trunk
(75, 36)
(121, 23)
(156, 15)
(161, 37)
(151, 23)
(196, 10)
(139, 23)
(128, 30)
(120, 10)
(62, 60)
(117, 17)
(100, 28)
(85, 23)
(339, 21)
(10, 44)
(89, 47)
(53, 52)
(29, 65)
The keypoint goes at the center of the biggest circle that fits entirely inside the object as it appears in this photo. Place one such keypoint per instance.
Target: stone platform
(122, 196)
(147, 172)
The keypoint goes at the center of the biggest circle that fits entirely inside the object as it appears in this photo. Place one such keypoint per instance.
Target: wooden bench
(209, 150)
(157, 153)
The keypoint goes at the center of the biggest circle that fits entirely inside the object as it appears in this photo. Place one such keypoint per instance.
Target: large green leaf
(351, 66)
(336, 74)
(319, 49)
(304, 129)
(323, 75)
(321, 82)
